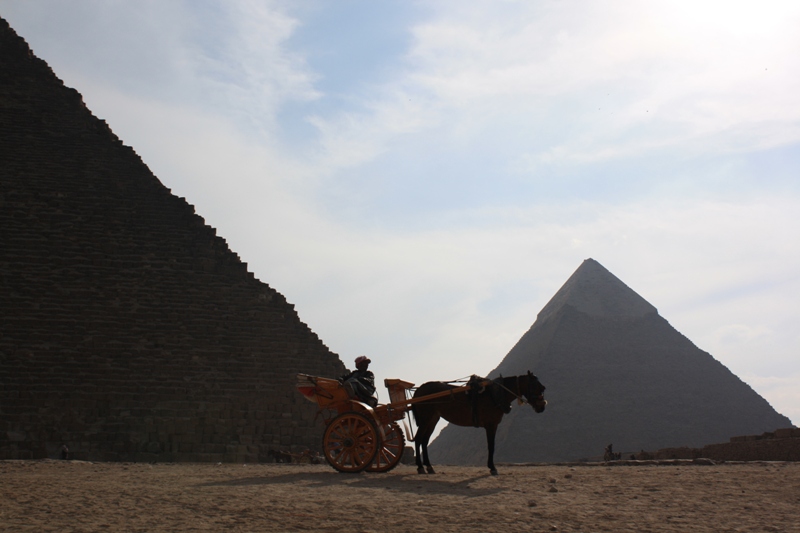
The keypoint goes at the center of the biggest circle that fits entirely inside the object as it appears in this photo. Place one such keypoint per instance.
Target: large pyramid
(128, 329)
(616, 372)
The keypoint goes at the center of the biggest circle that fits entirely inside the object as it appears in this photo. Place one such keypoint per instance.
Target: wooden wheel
(350, 442)
(391, 450)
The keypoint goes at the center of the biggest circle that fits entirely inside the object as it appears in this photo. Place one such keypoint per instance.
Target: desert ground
(75, 496)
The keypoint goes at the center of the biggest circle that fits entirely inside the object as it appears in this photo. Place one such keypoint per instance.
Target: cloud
(561, 83)
(231, 59)
(251, 65)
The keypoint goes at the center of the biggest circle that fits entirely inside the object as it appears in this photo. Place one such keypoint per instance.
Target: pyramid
(130, 331)
(616, 373)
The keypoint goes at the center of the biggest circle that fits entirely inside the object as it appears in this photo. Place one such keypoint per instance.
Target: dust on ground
(76, 496)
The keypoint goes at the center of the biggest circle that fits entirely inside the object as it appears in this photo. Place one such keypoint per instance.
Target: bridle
(520, 396)
(528, 392)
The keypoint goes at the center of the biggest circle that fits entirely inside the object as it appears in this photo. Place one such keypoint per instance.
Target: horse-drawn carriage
(359, 437)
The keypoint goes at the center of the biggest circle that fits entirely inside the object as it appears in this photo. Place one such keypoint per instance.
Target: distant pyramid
(615, 372)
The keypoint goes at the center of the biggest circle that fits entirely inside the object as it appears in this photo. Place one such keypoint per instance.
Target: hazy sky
(419, 178)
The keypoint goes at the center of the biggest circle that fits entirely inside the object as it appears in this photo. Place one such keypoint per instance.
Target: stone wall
(780, 445)
(128, 329)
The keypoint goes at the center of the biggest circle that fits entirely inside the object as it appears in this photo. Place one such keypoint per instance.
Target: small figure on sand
(609, 454)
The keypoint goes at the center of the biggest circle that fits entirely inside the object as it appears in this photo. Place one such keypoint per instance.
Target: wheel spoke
(349, 442)
(390, 449)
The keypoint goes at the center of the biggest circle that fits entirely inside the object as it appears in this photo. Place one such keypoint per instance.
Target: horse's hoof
(493, 471)
(430, 470)
(420, 470)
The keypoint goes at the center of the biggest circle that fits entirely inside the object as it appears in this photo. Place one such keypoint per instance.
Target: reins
(465, 379)
(520, 398)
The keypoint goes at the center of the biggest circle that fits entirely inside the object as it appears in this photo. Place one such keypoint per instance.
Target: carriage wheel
(350, 442)
(391, 450)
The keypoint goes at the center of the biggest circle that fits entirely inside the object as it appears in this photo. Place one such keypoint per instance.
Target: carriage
(359, 437)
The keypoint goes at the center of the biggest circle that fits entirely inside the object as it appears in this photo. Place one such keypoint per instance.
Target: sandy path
(79, 496)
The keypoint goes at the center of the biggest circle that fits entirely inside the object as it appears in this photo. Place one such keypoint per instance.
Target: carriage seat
(398, 389)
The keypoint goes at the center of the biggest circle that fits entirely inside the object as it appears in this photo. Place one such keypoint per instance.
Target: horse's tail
(414, 414)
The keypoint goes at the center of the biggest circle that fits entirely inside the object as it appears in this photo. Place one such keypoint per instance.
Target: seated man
(360, 383)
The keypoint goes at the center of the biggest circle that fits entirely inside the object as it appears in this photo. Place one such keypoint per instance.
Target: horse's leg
(491, 431)
(422, 454)
(424, 433)
(417, 457)
(415, 410)
(425, 459)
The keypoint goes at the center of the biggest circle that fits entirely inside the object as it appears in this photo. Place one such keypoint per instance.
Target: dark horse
(480, 408)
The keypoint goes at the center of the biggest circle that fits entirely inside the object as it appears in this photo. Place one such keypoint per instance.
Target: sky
(420, 178)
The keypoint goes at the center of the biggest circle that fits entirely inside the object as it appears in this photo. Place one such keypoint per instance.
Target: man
(360, 383)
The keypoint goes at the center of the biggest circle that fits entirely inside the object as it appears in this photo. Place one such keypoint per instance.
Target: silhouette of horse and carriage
(359, 438)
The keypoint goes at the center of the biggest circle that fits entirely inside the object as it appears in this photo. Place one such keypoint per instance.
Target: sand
(77, 496)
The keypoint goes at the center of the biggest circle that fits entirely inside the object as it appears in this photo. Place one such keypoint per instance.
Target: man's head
(362, 362)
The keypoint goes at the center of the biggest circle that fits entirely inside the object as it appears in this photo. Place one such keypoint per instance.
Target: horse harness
(479, 385)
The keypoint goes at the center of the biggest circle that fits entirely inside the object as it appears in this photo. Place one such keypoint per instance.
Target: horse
(479, 408)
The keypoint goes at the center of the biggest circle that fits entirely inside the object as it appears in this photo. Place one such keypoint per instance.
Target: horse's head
(534, 393)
